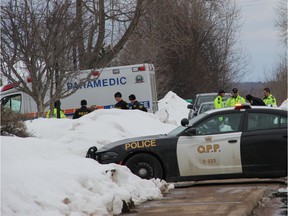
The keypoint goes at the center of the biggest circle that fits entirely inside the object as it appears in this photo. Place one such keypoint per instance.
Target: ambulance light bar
(10, 86)
(95, 73)
(136, 69)
(116, 71)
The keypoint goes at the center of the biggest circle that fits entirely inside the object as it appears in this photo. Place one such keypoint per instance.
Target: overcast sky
(259, 36)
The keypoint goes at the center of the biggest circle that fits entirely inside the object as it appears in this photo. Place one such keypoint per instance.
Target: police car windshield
(176, 131)
(181, 128)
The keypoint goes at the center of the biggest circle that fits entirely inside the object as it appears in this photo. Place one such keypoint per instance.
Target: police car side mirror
(184, 122)
(190, 131)
(92, 152)
(189, 106)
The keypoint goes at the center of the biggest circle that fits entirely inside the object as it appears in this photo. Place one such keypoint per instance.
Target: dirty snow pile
(48, 174)
(172, 109)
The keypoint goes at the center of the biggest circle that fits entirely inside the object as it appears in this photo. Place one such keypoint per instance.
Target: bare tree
(191, 43)
(39, 35)
(277, 80)
(109, 25)
(282, 21)
(57, 39)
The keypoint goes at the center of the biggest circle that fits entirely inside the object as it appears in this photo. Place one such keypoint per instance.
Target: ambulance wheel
(145, 166)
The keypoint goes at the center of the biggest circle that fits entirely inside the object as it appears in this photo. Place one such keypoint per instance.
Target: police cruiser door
(215, 149)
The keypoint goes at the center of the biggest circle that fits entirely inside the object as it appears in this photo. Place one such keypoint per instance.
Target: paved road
(238, 197)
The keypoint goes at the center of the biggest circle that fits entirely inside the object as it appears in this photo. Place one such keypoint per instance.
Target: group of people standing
(268, 99)
(121, 104)
(83, 110)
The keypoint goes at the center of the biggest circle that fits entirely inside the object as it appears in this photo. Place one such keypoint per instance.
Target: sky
(259, 36)
(48, 174)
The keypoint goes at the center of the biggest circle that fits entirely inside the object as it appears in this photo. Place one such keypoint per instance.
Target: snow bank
(48, 174)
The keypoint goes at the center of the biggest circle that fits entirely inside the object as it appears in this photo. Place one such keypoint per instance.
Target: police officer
(255, 101)
(82, 111)
(136, 104)
(57, 104)
(218, 101)
(268, 99)
(236, 98)
(121, 104)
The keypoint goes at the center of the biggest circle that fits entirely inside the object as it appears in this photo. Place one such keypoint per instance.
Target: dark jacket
(137, 105)
(122, 105)
(81, 112)
(255, 101)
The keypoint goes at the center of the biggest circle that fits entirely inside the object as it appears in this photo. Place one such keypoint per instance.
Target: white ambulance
(136, 79)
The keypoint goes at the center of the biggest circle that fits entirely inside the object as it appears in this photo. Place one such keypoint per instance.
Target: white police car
(245, 141)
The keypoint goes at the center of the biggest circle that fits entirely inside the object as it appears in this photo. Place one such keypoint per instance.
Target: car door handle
(232, 141)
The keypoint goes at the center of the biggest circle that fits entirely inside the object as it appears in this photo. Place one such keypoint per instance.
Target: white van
(131, 79)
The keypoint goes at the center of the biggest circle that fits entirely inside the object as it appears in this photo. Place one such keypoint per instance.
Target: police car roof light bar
(243, 106)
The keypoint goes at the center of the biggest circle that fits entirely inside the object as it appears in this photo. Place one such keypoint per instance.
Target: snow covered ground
(48, 174)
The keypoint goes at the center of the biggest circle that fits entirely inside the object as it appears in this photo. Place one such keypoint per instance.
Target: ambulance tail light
(9, 86)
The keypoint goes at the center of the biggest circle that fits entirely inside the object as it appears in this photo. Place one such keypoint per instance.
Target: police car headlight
(108, 156)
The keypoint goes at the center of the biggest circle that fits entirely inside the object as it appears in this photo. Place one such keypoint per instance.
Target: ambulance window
(12, 102)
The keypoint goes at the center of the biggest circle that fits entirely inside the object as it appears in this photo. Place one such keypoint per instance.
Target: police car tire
(145, 166)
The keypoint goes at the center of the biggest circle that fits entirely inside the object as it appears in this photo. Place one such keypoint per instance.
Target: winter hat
(56, 103)
(117, 94)
(234, 90)
(248, 97)
(83, 102)
(132, 97)
(221, 91)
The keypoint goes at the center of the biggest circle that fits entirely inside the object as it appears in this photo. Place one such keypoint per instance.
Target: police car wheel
(145, 166)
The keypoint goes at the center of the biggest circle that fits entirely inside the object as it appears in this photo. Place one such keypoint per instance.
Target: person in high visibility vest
(218, 104)
(268, 99)
(218, 101)
(236, 98)
(54, 114)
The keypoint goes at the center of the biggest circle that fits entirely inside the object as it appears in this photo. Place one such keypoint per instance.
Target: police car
(241, 142)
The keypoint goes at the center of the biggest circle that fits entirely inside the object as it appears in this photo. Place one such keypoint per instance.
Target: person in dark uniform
(255, 101)
(82, 111)
(136, 104)
(121, 104)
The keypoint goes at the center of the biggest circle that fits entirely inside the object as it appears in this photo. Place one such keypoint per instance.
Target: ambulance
(99, 90)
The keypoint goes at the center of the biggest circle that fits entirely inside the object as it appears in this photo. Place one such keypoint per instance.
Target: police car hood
(121, 142)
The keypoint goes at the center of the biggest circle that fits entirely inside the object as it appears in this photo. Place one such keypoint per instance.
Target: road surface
(237, 197)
